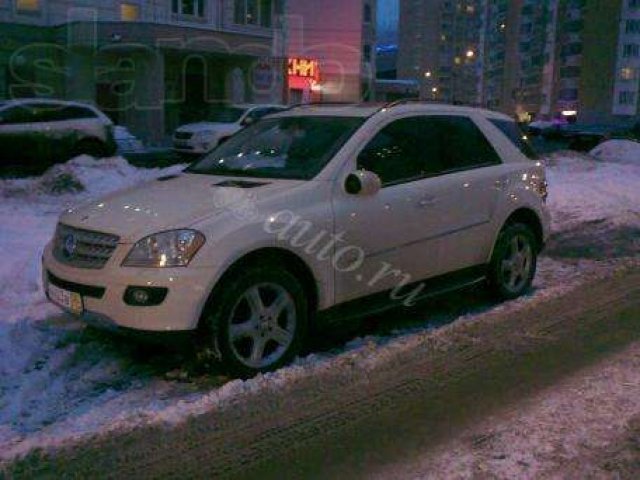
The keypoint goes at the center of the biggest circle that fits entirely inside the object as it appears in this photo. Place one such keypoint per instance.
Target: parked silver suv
(317, 212)
(43, 131)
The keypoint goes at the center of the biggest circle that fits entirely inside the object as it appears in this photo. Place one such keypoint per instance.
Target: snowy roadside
(559, 432)
(59, 383)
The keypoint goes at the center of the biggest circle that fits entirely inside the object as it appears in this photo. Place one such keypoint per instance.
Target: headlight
(167, 249)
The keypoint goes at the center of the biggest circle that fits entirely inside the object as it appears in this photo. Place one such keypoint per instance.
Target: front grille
(183, 135)
(83, 248)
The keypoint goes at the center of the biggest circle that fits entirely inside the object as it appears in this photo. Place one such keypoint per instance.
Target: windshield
(226, 114)
(288, 147)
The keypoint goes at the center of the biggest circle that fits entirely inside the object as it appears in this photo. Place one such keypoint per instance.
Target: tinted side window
(74, 112)
(465, 146)
(45, 112)
(519, 139)
(398, 152)
(16, 115)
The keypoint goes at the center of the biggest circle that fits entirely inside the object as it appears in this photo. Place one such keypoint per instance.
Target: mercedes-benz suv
(314, 213)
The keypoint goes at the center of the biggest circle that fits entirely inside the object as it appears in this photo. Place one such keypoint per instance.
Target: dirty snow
(537, 438)
(59, 381)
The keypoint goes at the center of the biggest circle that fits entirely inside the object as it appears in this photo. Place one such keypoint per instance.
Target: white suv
(223, 122)
(315, 213)
(42, 130)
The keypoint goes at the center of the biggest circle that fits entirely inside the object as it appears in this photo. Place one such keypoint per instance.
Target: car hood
(209, 127)
(173, 203)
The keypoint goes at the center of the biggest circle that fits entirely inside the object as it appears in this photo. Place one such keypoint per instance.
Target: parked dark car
(585, 137)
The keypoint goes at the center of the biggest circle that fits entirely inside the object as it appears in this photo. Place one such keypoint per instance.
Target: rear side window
(517, 136)
(74, 112)
(465, 146)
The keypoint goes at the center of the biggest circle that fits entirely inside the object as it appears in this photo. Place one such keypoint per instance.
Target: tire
(249, 335)
(91, 147)
(514, 262)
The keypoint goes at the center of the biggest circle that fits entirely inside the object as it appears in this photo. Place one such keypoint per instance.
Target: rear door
(462, 196)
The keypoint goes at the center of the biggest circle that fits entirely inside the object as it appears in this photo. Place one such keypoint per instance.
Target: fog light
(140, 296)
(145, 296)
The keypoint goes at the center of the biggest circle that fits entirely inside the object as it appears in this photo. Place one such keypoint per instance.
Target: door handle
(427, 201)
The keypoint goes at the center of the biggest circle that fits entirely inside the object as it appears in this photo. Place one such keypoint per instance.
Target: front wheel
(259, 320)
(514, 262)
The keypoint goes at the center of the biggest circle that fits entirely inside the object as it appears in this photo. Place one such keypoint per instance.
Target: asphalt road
(346, 424)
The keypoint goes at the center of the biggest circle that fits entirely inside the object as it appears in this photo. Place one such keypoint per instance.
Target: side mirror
(248, 121)
(363, 183)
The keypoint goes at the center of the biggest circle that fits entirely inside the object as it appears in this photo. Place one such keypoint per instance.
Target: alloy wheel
(517, 264)
(262, 325)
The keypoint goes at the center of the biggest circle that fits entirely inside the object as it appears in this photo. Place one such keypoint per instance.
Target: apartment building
(515, 55)
(578, 59)
(626, 87)
(440, 46)
(149, 64)
(597, 64)
(331, 48)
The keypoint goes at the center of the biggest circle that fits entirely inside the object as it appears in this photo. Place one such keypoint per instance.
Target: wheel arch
(292, 262)
(529, 217)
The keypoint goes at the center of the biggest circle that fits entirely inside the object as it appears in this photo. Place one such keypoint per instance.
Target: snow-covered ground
(59, 381)
(619, 151)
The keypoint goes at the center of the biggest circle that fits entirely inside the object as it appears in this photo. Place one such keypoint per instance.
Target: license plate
(70, 301)
(179, 144)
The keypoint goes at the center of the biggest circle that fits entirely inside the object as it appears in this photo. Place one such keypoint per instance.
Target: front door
(384, 238)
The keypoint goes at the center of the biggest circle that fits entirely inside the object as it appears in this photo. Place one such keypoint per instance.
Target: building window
(254, 12)
(631, 50)
(627, 98)
(28, 6)
(193, 8)
(633, 26)
(129, 12)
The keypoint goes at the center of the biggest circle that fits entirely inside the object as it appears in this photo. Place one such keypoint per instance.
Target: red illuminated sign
(303, 67)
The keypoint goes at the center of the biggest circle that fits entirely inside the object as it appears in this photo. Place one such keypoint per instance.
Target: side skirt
(382, 301)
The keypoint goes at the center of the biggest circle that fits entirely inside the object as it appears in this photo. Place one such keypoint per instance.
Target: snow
(583, 189)
(543, 434)
(126, 141)
(60, 382)
(623, 151)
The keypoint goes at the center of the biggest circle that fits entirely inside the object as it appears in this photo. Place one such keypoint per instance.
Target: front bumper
(188, 291)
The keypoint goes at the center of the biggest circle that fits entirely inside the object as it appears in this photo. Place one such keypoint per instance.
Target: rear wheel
(259, 320)
(514, 262)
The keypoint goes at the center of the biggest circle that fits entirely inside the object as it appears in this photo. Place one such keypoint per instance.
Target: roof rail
(329, 104)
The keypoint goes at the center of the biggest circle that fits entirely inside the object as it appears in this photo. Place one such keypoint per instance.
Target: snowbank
(585, 190)
(621, 151)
